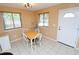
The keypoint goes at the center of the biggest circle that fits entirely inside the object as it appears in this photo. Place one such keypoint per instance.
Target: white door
(68, 26)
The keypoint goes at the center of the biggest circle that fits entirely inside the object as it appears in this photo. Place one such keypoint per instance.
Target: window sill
(6, 30)
(44, 26)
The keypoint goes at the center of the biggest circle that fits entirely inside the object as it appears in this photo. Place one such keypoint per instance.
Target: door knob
(59, 28)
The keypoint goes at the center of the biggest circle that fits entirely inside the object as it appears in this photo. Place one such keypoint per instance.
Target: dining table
(32, 36)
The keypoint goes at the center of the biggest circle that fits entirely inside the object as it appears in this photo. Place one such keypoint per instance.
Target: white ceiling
(35, 6)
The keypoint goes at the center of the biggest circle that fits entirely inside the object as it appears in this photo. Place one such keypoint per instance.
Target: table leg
(31, 43)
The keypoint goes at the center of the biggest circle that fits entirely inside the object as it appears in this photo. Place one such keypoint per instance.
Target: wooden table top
(31, 35)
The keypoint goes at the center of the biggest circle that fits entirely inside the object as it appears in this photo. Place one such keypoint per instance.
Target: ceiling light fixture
(28, 5)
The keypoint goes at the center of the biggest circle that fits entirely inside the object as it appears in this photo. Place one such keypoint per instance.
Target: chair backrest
(37, 30)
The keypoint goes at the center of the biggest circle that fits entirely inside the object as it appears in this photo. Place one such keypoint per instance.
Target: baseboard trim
(49, 38)
(15, 40)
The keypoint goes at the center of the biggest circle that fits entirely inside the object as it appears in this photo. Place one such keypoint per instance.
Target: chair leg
(27, 42)
(40, 37)
(34, 41)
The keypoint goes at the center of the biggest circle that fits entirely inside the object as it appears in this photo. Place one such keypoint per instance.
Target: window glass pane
(41, 20)
(8, 20)
(69, 15)
(45, 24)
(46, 19)
(17, 21)
(41, 16)
(45, 16)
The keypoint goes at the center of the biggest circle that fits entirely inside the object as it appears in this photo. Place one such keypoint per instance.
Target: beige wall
(27, 22)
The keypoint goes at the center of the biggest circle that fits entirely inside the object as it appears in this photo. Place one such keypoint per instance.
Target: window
(69, 15)
(11, 20)
(43, 19)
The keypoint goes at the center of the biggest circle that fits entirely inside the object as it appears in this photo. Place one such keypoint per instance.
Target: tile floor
(46, 47)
